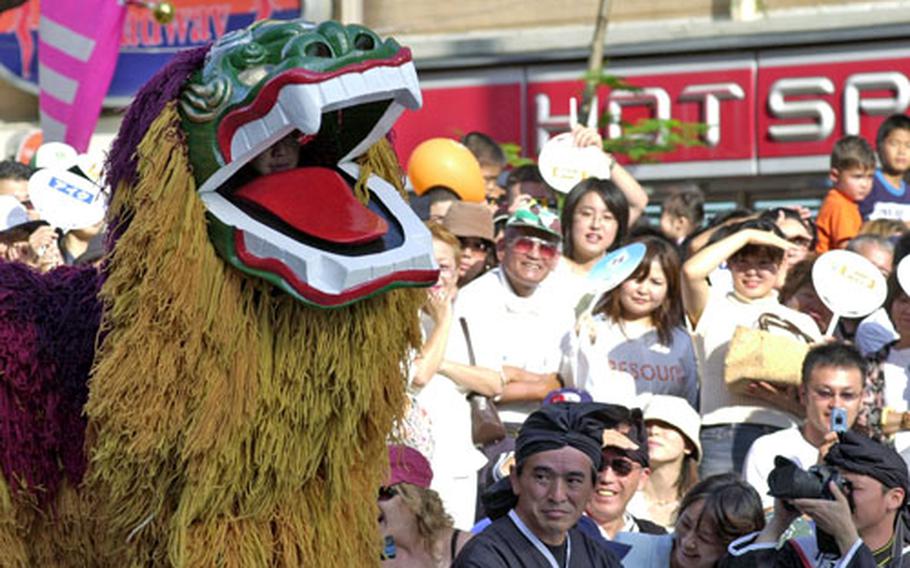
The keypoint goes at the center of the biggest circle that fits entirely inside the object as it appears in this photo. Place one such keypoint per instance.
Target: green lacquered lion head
(336, 90)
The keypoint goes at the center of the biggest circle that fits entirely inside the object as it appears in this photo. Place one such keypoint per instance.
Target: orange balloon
(445, 162)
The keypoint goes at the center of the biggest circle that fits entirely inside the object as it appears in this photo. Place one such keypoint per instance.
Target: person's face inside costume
(594, 227)
(617, 482)
(695, 542)
(754, 274)
(279, 157)
(474, 252)
(528, 258)
(553, 488)
(829, 388)
(665, 443)
(639, 298)
(875, 506)
(806, 300)
(448, 268)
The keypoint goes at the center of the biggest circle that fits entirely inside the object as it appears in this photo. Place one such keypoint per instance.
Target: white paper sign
(89, 166)
(54, 155)
(66, 200)
(848, 284)
(903, 274)
(563, 165)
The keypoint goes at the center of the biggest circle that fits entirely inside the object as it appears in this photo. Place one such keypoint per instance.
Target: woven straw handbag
(762, 355)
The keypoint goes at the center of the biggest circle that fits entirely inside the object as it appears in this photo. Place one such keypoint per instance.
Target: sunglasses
(525, 244)
(474, 243)
(745, 264)
(800, 241)
(386, 493)
(620, 466)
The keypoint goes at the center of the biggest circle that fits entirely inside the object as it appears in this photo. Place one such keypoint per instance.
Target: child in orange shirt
(852, 168)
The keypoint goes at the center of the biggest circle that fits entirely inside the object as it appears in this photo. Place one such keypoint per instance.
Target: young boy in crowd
(682, 212)
(889, 198)
(852, 169)
(492, 162)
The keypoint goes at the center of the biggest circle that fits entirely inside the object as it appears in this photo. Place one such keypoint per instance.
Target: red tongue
(315, 201)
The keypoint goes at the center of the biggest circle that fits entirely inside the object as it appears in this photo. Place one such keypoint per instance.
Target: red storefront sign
(767, 111)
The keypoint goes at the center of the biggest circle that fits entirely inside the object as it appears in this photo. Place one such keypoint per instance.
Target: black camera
(788, 481)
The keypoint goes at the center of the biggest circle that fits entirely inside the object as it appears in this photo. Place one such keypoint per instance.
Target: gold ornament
(163, 12)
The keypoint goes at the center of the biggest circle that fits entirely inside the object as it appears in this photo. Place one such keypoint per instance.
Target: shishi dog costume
(220, 395)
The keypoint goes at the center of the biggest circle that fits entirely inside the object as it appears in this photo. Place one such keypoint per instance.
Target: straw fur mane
(228, 423)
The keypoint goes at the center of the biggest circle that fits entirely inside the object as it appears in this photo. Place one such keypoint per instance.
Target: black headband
(858, 454)
(579, 425)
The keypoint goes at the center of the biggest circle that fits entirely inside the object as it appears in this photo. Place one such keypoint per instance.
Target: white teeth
(297, 106)
(301, 106)
(410, 77)
(355, 85)
(276, 118)
(332, 91)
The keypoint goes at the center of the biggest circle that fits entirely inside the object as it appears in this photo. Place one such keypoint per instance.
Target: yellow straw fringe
(61, 535)
(64, 536)
(12, 547)
(380, 160)
(230, 425)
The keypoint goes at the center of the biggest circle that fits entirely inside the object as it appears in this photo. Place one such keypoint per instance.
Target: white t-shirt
(454, 460)
(446, 404)
(451, 453)
(897, 389)
(759, 462)
(623, 361)
(507, 329)
(719, 321)
(566, 284)
(721, 280)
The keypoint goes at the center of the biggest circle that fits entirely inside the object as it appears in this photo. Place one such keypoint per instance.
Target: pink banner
(78, 43)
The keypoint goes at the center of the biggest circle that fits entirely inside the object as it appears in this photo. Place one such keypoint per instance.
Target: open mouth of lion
(305, 225)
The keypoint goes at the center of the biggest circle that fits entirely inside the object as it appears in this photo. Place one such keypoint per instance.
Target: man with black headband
(557, 456)
(868, 527)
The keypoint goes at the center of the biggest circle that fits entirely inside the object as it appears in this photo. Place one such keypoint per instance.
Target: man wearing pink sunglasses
(508, 324)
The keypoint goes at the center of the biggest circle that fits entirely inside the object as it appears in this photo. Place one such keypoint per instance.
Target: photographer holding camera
(858, 506)
(831, 395)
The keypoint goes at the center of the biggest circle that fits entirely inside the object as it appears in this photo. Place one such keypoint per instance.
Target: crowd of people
(27, 238)
(553, 421)
(623, 439)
